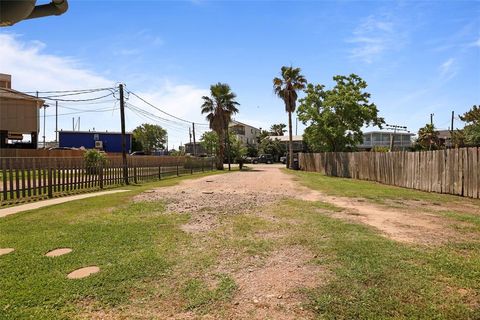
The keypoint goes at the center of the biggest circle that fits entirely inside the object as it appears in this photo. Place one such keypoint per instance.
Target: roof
(99, 132)
(390, 132)
(235, 122)
(285, 138)
(14, 94)
(444, 134)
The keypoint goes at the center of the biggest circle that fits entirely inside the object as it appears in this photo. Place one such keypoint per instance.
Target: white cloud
(476, 43)
(373, 37)
(448, 69)
(34, 69)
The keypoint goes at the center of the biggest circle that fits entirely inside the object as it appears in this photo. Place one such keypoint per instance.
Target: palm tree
(278, 129)
(428, 137)
(220, 107)
(286, 88)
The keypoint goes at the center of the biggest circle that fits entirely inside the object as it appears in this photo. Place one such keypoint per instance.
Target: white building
(402, 140)
(244, 132)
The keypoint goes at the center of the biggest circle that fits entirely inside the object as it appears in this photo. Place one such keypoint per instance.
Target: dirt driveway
(270, 289)
(208, 197)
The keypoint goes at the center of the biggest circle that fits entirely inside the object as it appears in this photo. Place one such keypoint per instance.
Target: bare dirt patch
(273, 289)
(6, 251)
(58, 252)
(83, 272)
(207, 197)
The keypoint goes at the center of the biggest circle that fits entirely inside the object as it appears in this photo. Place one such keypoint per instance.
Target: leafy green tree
(334, 118)
(471, 131)
(209, 142)
(263, 134)
(274, 147)
(286, 88)
(151, 136)
(252, 150)
(136, 145)
(428, 138)
(458, 138)
(219, 108)
(278, 129)
(237, 149)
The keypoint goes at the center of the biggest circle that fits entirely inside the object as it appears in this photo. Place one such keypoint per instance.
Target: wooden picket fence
(452, 171)
(26, 179)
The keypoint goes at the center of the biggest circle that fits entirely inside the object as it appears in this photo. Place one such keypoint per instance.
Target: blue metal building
(106, 141)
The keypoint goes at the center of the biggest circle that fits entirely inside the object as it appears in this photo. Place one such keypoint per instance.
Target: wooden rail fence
(452, 171)
(25, 179)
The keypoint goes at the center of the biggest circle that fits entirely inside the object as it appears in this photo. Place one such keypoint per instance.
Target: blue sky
(417, 57)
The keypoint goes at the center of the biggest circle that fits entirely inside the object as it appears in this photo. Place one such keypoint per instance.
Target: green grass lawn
(130, 242)
(149, 264)
(377, 278)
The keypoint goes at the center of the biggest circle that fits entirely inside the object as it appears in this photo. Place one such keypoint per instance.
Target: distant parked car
(283, 160)
(264, 158)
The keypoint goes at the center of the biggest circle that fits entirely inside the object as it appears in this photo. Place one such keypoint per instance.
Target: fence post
(160, 172)
(50, 187)
(177, 169)
(203, 165)
(135, 174)
(100, 175)
(191, 169)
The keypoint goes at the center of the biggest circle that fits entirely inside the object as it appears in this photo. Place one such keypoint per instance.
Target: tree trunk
(290, 141)
(221, 150)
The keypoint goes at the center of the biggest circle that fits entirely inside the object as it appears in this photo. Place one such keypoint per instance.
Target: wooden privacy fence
(452, 171)
(24, 179)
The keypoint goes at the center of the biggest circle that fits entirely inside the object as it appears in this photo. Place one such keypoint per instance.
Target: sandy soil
(271, 288)
(208, 197)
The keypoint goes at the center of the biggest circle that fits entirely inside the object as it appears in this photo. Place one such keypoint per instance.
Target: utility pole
(395, 128)
(431, 118)
(124, 137)
(296, 126)
(453, 117)
(194, 142)
(228, 150)
(73, 123)
(45, 106)
(56, 122)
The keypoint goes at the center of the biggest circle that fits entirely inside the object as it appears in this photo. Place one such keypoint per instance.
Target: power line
(79, 90)
(77, 100)
(171, 115)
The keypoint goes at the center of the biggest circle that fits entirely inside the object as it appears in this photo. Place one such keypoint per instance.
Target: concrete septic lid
(6, 250)
(83, 272)
(58, 252)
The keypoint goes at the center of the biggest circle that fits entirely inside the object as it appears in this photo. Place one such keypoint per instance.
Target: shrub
(93, 160)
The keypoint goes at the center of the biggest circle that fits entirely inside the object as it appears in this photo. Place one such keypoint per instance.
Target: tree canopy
(219, 108)
(150, 136)
(428, 138)
(335, 117)
(286, 88)
(272, 146)
(471, 131)
(209, 141)
(278, 129)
